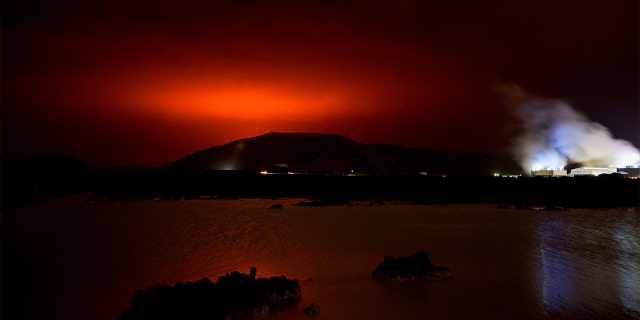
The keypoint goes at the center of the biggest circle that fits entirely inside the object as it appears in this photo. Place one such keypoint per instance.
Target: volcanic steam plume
(554, 134)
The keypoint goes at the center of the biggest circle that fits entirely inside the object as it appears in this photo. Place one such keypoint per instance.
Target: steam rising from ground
(555, 134)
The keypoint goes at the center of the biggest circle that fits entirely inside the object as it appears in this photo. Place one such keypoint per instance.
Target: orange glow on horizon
(251, 102)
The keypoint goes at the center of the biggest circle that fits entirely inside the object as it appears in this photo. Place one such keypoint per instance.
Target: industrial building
(630, 172)
(592, 171)
(549, 173)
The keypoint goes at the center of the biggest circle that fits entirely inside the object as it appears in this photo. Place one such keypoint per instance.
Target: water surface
(73, 259)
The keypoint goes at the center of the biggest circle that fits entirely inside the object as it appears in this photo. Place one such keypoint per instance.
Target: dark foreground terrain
(126, 184)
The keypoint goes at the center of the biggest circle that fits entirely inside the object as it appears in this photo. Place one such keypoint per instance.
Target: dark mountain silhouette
(331, 153)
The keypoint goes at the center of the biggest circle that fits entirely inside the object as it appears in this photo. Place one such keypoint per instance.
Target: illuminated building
(630, 172)
(549, 173)
(592, 171)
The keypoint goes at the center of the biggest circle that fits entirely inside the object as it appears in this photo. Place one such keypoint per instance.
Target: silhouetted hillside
(330, 153)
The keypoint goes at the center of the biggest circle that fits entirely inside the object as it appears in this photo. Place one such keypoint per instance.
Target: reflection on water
(73, 259)
(590, 263)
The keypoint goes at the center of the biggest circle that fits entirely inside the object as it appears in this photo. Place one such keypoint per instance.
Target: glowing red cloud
(256, 101)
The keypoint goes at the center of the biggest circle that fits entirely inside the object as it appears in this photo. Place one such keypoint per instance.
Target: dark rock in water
(312, 309)
(276, 206)
(502, 206)
(522, 207)
(414, 267)
(234, 296)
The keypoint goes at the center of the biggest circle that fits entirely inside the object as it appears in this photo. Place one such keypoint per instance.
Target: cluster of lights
(267, 172)
(628, 159)
(497, 174)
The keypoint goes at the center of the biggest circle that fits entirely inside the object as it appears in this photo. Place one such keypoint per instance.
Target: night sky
(142, 83)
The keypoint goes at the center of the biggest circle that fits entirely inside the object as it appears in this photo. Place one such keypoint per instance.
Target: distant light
(264, 172)
(496, 174)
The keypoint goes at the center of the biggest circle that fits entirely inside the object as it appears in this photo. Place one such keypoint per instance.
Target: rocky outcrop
(312, 310)
(235, 296)
(417, 266)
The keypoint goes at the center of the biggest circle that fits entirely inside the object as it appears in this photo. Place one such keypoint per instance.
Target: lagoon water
(74, 259)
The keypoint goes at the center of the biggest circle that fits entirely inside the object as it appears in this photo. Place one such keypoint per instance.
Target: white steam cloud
(556, 134)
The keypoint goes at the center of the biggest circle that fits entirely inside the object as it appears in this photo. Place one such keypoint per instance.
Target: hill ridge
(334, 153)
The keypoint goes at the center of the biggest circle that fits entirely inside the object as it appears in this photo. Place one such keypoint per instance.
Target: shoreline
(138, 184)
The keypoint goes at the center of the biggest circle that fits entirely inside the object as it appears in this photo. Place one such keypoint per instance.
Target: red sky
(142, 83)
